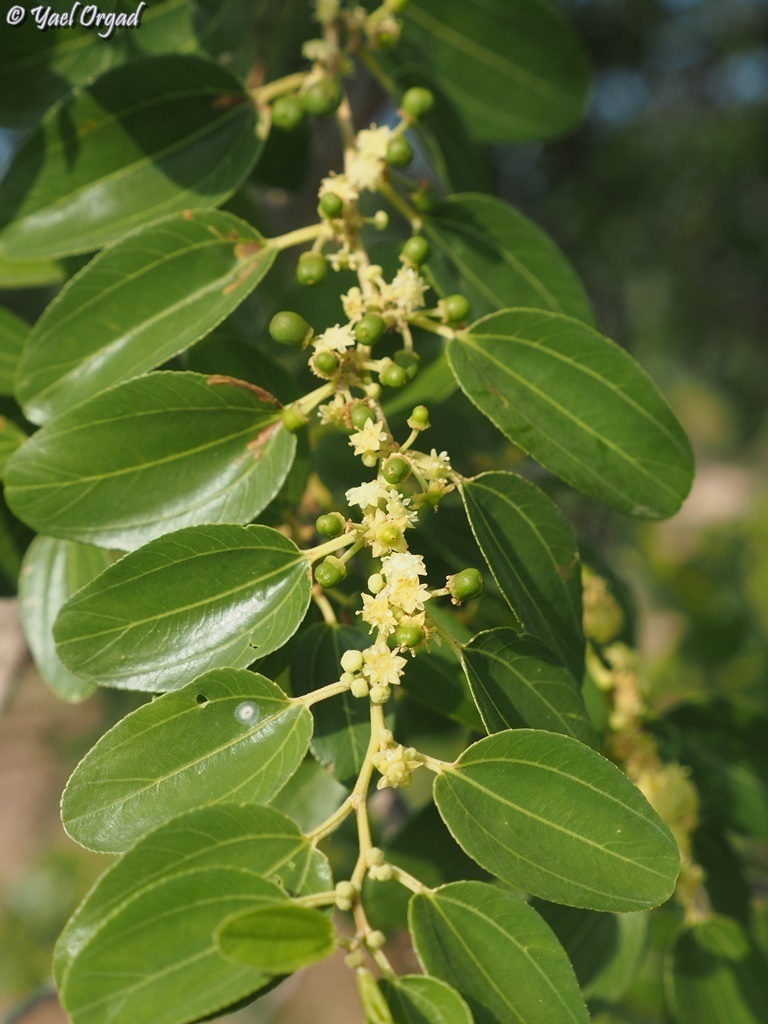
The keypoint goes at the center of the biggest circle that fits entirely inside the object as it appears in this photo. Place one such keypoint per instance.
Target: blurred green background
(661, 202)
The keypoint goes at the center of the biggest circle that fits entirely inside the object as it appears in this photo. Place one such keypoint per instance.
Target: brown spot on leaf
(187, 215)
(493, 391)
(244, 385)
(245, 250)
(564, 571)
(257, 444)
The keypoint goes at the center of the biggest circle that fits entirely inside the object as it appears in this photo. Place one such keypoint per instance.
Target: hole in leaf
(201, 698)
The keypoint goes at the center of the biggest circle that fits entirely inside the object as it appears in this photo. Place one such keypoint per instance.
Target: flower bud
(352, 661)
(380, 693)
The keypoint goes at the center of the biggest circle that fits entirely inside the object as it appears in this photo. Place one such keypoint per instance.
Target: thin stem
(325, 606)
(298, 236)
(317, 899)
(408, 880)
(264, 93)
(321, 550)
(352, 551)
(429, 325)
(308, 402)
(308, 699)
(454, 645)
(409, 441)
(331, 823)
(434, 764)
(360, 794)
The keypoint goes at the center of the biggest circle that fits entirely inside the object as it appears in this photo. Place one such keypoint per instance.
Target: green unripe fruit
(369, 329)
(455, 308)
(326, 363)
(399, 152)
(287, 113)
(409, 361)
(419, 417)
(466, 585)
(361, 414)
(293, 419)
(311, 269)
(416, 250)
(330, 525)
(289, 329)
(425, 199)
(393, 376)
(418, 102)
(330, 205)
(408, 636)
(322, 97)
(330, 572)
(395, 469)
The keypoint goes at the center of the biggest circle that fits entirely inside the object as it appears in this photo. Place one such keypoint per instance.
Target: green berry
(330, 572)
(409, 361)
(330, 205)
(293, 419)
(290, 329)
(393, 376)
(399, 152)
(330, 525)
(361, 414)
(418, 102)
(419, 418)
(326, 363)
(466, 585)
(311, 269)
(369, 329)
(416, 251)
(408, 636)
(455, 308)
(322, 97)
(287, 113)
(395, 469)
(425, 199)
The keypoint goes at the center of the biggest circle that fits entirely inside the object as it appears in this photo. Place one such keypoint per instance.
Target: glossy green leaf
(229, 735)
(518, 684)
(419, 999)
(233, 836)
(154, 957)
(488, 251)
(531, 551)
(374, 1005)
(277, 939)
(11, 438)
(553, 817)
(724, 745)
(13, 331)
(606, 950)
(141, 301)
(200, 598)
(51, 572)
(580, 405)
(310, 796)
(514, 68)
(342, 723)
(150, 456)
(159, 135)
(715, 974)
(498, 953)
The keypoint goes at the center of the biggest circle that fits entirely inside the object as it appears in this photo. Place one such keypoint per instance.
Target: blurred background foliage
(660, 200)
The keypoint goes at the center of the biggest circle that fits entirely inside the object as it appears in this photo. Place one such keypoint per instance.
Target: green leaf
(51, 572)
(724, 745)
(488, 251)
(232, 836)
(342, 723)
(606, 950)
(522, 50)
(141, 301)
(310, 796)
(150, 456)
(13, 331)
(277, 939)
(580, 405)
(156, 136)
(11, 438)
(497, 952)
(30, 273)
(715, 974)
(155, 958)
(416, 999)
(374, 1005)
(200, 598)
(518, 684)
(229, 735)
(531, 551)
(553, 817)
